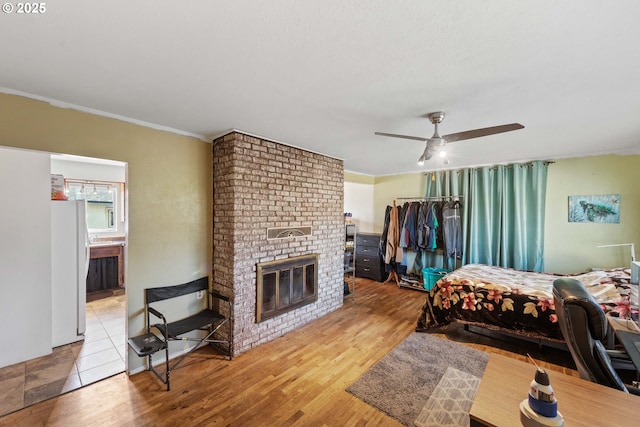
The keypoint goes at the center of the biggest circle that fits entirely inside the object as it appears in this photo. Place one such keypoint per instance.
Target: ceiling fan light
(443, 154)
(438, 142)
(425, 155)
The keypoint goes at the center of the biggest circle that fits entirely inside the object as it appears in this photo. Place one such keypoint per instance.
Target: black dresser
(369, 264)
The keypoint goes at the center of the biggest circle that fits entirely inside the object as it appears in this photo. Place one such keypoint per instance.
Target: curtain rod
(489, 165)
(429, 198)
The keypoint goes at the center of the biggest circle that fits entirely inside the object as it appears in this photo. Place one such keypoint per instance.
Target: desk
(628, 335)
(505, 384)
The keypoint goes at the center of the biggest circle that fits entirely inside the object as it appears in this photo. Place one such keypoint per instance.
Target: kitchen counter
(109, 243)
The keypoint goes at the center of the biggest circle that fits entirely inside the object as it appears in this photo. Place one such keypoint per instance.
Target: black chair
(584, 325)
(210, 320)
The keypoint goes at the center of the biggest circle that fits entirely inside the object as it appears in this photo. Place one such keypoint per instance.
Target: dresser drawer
(370, 272)
(367, 239)
(368, 251)
(369, 264)
(369, 260)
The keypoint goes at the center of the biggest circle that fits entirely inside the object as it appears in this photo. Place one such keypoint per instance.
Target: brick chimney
(259, 185)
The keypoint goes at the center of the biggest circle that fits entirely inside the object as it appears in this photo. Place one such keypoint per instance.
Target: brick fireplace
(259, 186)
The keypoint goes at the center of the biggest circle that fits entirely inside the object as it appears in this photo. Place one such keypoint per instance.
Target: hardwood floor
(298, 379)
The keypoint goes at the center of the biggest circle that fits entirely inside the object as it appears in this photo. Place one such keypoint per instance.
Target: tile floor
(100, 355)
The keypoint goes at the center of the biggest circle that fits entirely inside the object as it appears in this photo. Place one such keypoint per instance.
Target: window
(101, 201)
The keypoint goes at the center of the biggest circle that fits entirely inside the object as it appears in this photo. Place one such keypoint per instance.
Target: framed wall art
(603, 209)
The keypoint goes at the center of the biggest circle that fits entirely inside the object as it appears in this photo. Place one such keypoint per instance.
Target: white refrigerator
(69, 267)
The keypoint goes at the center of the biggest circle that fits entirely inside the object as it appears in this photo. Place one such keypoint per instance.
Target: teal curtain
(502, 212)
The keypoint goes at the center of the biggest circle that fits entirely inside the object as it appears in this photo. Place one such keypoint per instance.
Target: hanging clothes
(404, 235)
(408, 237)
(437, 206)
(451, 225)
(393, 253)
(382, 246)
(432, 223)
(413, 225)
(423, 228)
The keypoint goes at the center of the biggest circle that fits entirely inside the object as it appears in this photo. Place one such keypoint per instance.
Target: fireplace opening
(286, 284)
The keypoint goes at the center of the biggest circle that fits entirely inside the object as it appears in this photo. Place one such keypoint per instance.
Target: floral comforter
(519, 301)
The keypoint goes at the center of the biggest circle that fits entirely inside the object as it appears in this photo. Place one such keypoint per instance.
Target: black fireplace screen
(286, 284)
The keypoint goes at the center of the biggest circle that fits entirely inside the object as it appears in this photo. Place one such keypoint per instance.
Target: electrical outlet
(199, 294)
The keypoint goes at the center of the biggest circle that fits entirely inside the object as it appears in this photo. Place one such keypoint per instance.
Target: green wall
(168, 182)
(569, 247)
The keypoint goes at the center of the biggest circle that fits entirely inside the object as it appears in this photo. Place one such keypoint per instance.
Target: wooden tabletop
(505, 384)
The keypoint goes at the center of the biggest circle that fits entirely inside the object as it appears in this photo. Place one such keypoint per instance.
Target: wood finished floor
(298, 379)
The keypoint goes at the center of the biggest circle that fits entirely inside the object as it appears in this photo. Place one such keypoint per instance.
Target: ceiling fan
(436, 143)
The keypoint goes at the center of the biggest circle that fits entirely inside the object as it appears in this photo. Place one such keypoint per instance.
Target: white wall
(358, 199)
(25, 267)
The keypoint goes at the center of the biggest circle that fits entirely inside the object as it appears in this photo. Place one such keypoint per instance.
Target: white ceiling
(325, 75)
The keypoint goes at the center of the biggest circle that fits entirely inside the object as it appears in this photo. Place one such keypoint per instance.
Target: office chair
(584, 326)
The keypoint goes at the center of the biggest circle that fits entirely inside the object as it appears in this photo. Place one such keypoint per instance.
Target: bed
(518, 302)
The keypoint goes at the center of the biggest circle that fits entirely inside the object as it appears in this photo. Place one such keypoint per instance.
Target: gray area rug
(402, 382)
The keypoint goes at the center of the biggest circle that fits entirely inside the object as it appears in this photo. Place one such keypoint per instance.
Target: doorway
(101, 184)
(102, 352)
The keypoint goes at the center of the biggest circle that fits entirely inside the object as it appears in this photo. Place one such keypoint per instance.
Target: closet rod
(429, 198)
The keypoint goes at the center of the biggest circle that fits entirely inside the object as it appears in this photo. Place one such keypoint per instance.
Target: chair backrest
(583, 325)
(167, 292)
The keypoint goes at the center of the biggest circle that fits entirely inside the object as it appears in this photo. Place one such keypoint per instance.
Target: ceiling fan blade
(476, 133)
(393, 135)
